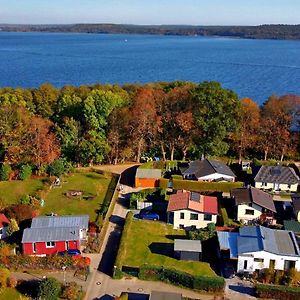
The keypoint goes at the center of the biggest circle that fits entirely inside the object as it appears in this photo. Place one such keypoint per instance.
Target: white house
(3, 226)
(277, 178)
(189, 210)
(258, 247)
(209, 170)
(253, 204)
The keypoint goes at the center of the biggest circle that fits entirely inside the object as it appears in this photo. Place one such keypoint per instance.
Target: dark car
(71, 252)
(148, 215)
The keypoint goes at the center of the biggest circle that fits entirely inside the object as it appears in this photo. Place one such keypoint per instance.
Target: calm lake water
(252, 68)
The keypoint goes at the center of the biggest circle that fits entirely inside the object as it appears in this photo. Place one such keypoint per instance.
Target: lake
(252, 68)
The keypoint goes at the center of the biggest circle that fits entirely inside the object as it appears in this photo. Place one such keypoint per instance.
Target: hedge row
(277, 292)
(163, 183)
(206, 186)
(199, 283)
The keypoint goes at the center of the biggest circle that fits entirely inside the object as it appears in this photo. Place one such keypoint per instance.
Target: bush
(12, 227)
(20, 212)
(57, 168)
(277, 292)
(5, 171)
(72, 291)
(49, 289)
(12, 282)
(25, 172)
(4, 275)
(163, 183)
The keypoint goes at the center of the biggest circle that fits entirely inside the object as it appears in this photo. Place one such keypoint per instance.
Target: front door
(67, 245)
(245, 264)
(276, 186)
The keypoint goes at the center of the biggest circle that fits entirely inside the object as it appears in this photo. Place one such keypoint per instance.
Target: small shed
(148, 178)
(188, 249)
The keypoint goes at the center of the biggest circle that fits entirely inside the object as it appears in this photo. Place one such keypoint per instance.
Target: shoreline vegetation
(268, 31)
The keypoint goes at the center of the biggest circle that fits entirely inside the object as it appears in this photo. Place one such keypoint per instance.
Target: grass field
(94, 187)
(12, 191)
(152, 243)
(10, 294)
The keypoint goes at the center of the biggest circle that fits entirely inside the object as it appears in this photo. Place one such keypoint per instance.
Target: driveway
(237, 289)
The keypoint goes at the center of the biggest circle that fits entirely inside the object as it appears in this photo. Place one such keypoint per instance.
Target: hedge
(163, 183)
(199, 283)
(206, 186)
(277, 292)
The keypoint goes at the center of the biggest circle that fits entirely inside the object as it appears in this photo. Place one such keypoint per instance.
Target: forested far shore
(88, 125)
(278, 32)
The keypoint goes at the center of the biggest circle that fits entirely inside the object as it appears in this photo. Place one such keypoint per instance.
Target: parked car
(71, 252)
(148, 215)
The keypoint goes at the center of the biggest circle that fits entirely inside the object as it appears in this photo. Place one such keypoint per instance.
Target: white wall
(241, 212)
(252, 265)
(215, 176)
(282, 187)
(187, 222)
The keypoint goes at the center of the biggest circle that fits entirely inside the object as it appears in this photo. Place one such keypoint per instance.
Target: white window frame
(52, 244)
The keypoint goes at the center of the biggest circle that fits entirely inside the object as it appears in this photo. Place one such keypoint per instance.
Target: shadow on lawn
(174, 237)
(29, 288)
(166, 249)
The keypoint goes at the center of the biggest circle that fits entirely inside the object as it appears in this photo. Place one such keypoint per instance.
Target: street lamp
(64, 270)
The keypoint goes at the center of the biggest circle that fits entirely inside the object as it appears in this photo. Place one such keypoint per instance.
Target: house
(3, 226)
(209, 170)
(49, 235)
(156, 295)
(258, 247)
(253, 204)
(277, 178)
(188, 249)
(190, 210)
(148, 178)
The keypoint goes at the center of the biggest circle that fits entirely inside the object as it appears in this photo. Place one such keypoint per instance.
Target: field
(10, 294)
(12, 191)
(152, 243)
(94, 187)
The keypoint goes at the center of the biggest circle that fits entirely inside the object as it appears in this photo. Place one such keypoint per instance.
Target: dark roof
(276, 174)
(253, 195)
(54, 234)
(3, 221)
(81, 221)
(155, 295)
(259, 238)
(200, 168)
(291, 225)
(296, 202)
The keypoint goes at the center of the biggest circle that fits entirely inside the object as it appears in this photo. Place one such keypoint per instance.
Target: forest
(89, 125)
(278, 32)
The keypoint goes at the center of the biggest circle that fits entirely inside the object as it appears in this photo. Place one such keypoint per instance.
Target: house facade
(189, 210)
(277, 178)
(209, 170)
(3, 226)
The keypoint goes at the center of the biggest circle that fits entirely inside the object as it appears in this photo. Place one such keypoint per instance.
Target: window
(249, 212)
(1, 231)
(289, 186)
(181, 226)
(50, 244)
(245, 264)
(181, 215)
(264, 184)
(260, 260)
(207, 217)
(194, 217)
(33, 247)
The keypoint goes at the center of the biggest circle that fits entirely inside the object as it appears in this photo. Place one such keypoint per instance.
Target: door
(245, 264)
(276, 186)
(67, 245)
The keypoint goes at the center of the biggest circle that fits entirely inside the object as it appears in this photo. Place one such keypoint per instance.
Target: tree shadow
(178, 237)
(166, 249)
(117, 220)
(29, 288)
(243, 289)
(128, 176)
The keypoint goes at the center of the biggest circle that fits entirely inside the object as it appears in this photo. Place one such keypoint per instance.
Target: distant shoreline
(271, 32)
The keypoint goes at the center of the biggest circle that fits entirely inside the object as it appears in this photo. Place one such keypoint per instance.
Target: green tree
(56, 168)
(12, 227)
(49, 289)
(216, 114)
(25, 172)
(5, 171)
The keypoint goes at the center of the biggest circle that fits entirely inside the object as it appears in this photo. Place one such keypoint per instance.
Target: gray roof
(253, 195)
(187, 245)
(155, 295)
(228, 241)
(259, 238)
(296, 203)
(148, 173)
(200, 168)
(81, 221)
(277, 174)
(32, 235)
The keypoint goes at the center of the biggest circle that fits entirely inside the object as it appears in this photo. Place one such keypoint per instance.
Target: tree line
(278, 31)
(110, 123)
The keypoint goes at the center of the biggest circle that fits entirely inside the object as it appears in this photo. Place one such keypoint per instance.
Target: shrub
(57, 168)
(163, 183)
(5, 171)
(12, 282)
(4, 275)
(72, 291)
(12, 227)
(20, 212)
(277, 292)
(49, 289)
(25, 172)
(25, 200)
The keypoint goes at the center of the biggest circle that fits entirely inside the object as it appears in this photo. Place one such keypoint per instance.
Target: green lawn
(91, 184)
(12, 191)
(10, 294)
(152, 243)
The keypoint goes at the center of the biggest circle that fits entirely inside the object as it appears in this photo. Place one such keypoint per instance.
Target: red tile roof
(3, 221)
(182, 200)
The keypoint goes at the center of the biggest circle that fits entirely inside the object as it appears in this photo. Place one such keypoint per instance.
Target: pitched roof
(55, 234)
(3, 221)
(259, 238)
(148, 173)
(277, 174)
(200, 168)
(253, 195)
(187, 245)
(228, 241)
(193, 201)
(81, 221)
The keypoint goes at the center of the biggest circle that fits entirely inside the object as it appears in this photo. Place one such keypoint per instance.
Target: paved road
(237, 289)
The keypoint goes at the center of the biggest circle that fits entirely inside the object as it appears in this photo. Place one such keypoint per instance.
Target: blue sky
(195, 12)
